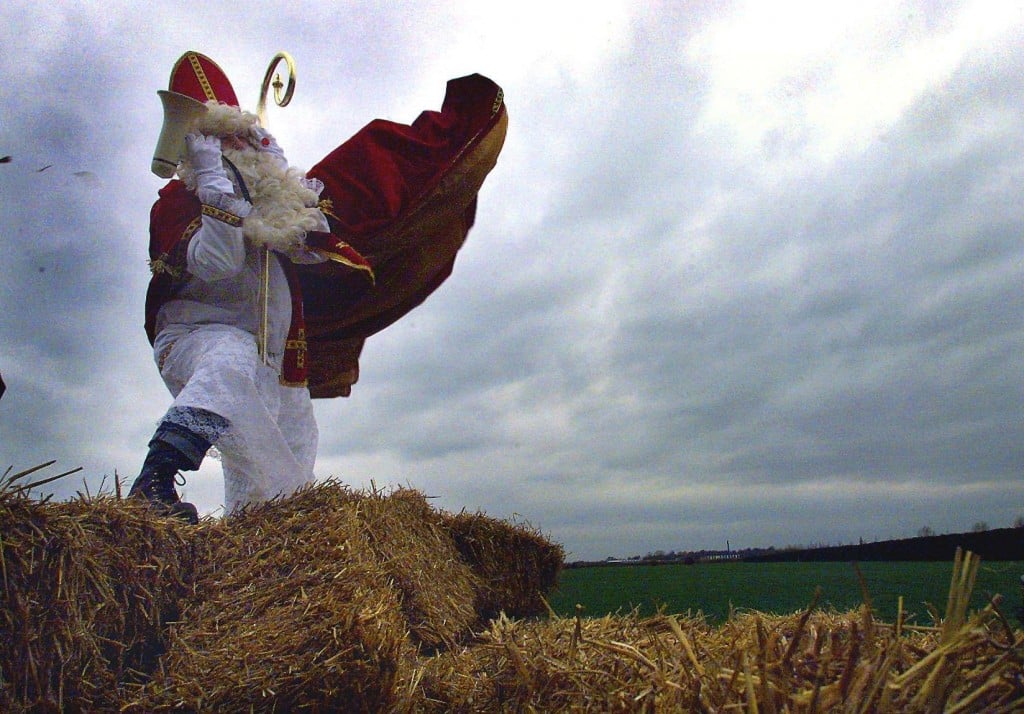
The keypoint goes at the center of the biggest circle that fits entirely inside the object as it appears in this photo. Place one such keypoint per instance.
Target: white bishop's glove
(264, 141)
(217, 250)
(205, 157)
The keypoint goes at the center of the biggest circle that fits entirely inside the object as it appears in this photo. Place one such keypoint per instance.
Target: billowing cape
(404, 197)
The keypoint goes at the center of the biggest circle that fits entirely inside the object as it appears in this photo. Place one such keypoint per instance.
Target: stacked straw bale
(292, 612)
(517, 565)
(318, 602)
(334, 600)
(86, 585)
(416, 550)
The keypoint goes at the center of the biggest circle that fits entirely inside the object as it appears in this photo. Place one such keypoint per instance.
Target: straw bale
(334, 600)
(409, 541)
(316, 601)
(418, 554)
(86, 584)
(516, 563)
(806, 662)
(293, 613)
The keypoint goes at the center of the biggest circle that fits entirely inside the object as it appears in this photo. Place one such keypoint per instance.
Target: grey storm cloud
(736, 276)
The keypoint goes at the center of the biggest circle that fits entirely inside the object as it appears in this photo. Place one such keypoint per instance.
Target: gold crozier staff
(281, 100)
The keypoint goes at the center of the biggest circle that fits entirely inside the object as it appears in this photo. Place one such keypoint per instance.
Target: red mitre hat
(199, 77)
(195, 80)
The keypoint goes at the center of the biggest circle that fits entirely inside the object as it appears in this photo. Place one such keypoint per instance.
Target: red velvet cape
(404, 197)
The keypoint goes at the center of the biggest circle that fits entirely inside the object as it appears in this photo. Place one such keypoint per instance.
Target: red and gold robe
(402, 197)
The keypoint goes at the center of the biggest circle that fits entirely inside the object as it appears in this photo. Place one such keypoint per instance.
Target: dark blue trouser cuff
(192, 446)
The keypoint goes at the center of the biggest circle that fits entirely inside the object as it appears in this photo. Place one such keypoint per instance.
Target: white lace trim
(201, 422)
(270, 445)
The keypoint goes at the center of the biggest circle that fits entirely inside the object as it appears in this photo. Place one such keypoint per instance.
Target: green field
(779, 588)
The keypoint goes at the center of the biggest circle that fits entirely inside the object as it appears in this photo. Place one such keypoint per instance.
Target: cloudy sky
(744, 272)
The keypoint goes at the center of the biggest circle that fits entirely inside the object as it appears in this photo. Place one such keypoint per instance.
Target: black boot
(172, 449)
(156, 483)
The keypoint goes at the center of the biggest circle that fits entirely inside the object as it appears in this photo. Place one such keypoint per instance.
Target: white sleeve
(217, 250)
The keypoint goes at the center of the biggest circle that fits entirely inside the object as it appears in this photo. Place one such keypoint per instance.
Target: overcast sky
(744, 272)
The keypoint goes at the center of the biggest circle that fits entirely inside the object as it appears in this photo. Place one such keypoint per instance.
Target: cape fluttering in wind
(404, 197)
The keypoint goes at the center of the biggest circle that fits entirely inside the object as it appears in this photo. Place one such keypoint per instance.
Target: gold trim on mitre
(204, 81)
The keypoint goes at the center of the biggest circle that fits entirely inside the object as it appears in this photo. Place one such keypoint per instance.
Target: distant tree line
(990, 544)
(995, 544)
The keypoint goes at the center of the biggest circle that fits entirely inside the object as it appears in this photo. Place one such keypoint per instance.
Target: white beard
(285, 207)
(284, 201)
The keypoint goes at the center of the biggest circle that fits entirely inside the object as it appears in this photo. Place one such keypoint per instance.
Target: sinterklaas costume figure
(267, 281)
